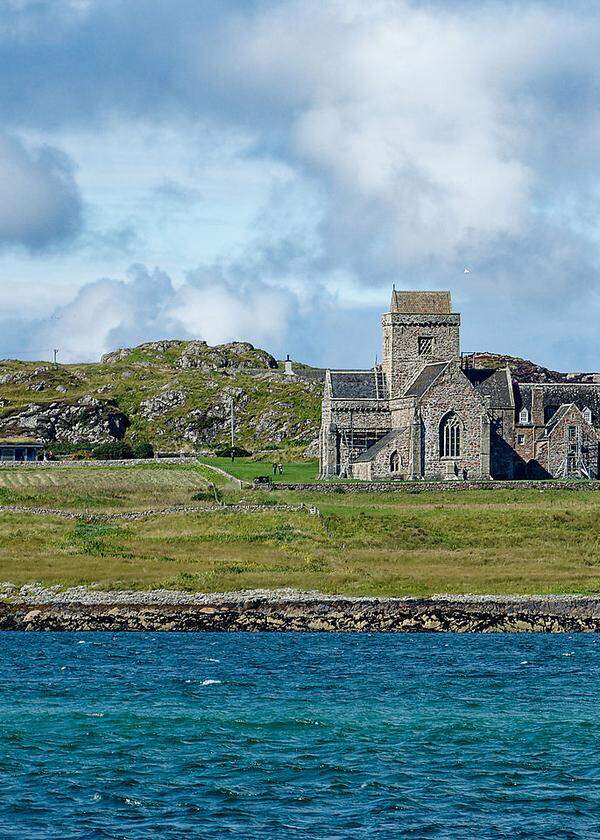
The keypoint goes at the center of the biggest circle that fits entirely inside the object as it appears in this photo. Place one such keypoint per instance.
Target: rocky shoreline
(77, 609)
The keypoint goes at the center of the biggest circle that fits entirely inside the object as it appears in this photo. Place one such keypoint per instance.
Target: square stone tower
(420, 328)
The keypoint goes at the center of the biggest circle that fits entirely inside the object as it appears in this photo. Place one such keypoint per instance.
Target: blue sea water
(315, 736)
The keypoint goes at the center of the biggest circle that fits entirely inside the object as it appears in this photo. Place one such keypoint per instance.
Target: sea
(282, 735)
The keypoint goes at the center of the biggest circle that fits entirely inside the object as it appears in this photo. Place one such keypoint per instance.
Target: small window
(572, 432)
(426, 344)
(524, 416)
(587, 414)
(520, 439)
(394, 462)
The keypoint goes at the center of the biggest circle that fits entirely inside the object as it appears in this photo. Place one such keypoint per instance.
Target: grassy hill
(176, 394)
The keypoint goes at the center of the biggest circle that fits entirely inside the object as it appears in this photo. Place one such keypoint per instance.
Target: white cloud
(39, 200)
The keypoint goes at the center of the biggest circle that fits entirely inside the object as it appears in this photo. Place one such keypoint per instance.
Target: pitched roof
(386, 440)
(421, 303)
(555, 394)
(357, 384)
(17, 441)
(425, 379)
(495, 384)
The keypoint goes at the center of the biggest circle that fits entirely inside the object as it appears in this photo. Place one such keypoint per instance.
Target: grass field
(499, 541)
(248, 470)
(104, 489)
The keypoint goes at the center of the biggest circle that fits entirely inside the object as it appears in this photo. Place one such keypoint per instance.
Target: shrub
(143, 450)
(114, 450)
(238, 452)
(212, 494)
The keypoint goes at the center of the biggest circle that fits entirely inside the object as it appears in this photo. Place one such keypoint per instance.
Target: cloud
(426, 135)
(209, 305)
(39, 201)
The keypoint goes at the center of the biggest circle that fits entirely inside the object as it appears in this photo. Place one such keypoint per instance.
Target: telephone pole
(232, 430)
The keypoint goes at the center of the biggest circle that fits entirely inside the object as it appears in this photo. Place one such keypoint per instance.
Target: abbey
(425, 412)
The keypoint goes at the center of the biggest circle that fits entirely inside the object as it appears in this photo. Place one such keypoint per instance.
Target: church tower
(420, 328)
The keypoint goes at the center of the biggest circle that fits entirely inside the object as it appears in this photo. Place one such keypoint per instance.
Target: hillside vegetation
(175, 394)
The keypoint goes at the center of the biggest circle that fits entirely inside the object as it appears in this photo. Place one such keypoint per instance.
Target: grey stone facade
(425, 413)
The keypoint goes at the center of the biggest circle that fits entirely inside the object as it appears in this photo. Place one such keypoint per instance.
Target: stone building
(425, 412)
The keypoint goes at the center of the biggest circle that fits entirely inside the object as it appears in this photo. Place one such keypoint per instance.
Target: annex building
(425, 412)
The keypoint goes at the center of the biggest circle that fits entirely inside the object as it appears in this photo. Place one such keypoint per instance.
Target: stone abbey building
(425, 412)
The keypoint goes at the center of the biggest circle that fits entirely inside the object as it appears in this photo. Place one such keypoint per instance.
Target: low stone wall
(17, 465)
(245, 612)
(133, 515)
(335, 486)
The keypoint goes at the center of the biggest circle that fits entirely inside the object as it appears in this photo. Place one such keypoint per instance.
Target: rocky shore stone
(82, 608)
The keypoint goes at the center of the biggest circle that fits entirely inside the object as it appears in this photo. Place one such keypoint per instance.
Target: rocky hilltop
(177, 394)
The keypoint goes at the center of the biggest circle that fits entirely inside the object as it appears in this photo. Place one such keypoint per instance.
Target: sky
(265, 171)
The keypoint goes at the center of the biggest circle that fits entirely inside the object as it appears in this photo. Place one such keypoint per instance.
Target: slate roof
(357, 384)
(425, 378)
(421, 303)
(372, 451)
(555, 394)
(495, 384)
(556, 418)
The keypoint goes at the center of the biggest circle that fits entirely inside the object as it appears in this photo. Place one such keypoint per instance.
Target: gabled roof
(559, 415)
(555, 394)
(425, 379)
(357, 384)
(421, 303)
(495, 384)
(374, 450)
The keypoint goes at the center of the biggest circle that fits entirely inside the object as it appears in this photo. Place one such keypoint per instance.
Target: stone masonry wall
(453, 392)
(401, 359)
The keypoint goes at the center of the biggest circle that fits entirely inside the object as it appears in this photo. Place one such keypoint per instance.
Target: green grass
(497, 541)
(247, 469)
(104, 489)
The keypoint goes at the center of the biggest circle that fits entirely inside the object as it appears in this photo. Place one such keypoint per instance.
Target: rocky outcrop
(525, 371)
(87, 420)
(82, 609)
(161, 404)
(149, 346)
(237, 355)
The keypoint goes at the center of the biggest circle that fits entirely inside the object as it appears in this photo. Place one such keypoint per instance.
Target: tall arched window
(450, 436)
(394, 462)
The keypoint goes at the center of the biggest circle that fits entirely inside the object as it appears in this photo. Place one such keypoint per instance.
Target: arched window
(450, 436)
(394, 462)
(587, 414)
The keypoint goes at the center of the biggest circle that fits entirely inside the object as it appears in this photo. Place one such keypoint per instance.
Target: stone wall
(433, 486)
(401, 333)
(453, 392)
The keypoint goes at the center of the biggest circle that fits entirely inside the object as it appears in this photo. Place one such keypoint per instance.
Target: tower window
(394, 462)
(426, 344)
(450, 436)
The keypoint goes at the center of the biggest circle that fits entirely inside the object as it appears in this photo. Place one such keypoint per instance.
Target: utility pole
(55, 352)
(232, 431)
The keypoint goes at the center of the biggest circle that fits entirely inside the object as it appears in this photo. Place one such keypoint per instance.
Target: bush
(143, 450)
(238, 452)
(114, 450)
(213, 494)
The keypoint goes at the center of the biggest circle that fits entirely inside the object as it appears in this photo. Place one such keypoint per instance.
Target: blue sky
(266, 170)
